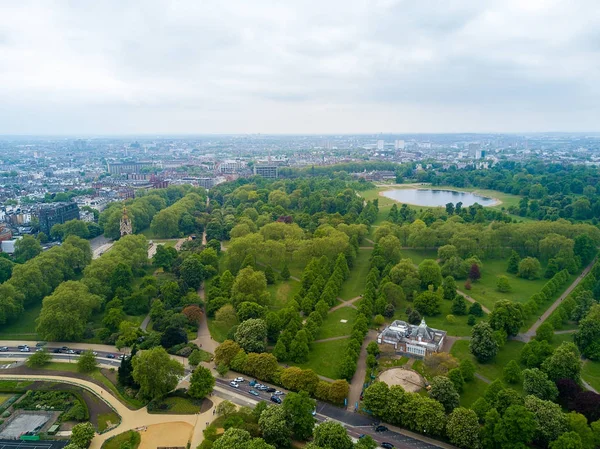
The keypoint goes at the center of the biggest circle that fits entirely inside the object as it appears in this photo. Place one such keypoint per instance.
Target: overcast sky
(298, 66)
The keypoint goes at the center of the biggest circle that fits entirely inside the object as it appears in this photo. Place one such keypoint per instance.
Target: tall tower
(126, 228)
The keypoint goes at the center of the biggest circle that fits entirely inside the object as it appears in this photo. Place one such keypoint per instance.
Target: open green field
(326, 358)
(131, 436)
(355, 284)
(472, 391)
(217, 330)
(484, 290)
(591, 373)
(559, 339)
(4, 398)
(180, 406)
(24, 327)
(332, 325)
(107, 419)
(282, 292)
(492, 371)
(166, 242)
(419, 255)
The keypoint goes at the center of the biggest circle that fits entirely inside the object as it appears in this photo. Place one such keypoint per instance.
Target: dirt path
(358, 379)
(130, 419)
(526, 336)
(203, 338)
(343, 337)
(568, 331)
(471, 300)
(348, 303)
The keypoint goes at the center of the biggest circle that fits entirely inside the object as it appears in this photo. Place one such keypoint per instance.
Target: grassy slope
(282, 292)
(326, 358)
(24, 327)
(591, 374)
(333, 327)
(355, 284)
(492, 371)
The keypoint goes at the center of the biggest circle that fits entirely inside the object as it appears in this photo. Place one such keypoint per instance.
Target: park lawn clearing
(218, 330)
(493, 370)
(355, 284)
(458, 327)
(107, 419)
(326, 358)
(333, 326)
(472, 391)
(559, 339)
(179, 406)
(4, 398)
(484, 290)
(591, 373)
(131, 436)
(283, 292)
(24, 327)
(418, 255)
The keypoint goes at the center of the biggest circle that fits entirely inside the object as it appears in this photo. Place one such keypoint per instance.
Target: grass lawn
(591, 373)
(484, 290)
(24, 327)
(333, 327)
(355, 284)
(131, 436)
(558, 339)
(472, 391)
(4, 398)
(180, 406)
(326, 358)
(105, 419)
(166, 242)
(282, 292)
(419, 255)
(217, 330)
(10, 386)
(492, 371)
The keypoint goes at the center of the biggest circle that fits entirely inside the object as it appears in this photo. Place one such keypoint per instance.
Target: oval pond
(434, 198)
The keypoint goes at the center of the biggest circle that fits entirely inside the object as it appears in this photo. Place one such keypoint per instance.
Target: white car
(25, 349)
(279, 393)
(238, 379)
(234, 384)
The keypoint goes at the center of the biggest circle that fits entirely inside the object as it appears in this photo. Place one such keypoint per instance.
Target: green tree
(121, 277)
(65, 313)
(483, 345)
(82, 434)
(226, 351)
(462, 428)
(475, 309)
(269, 275)
(585, 248)
(233, 438)
(250, 285)
(192, 272)
(529, 268)
(27, 248)
(285, 272)
(6, 267)
(332, 435)
(503, 285)
(430, 273)
(38, 359)
(516, 428)
(251, 335)
(459, 305)
(201, 383)
(443, 391)
(513, 263)
(507, 316)
(550, 419)
(299, 347)
(545, 332)
(274, 427)
(467, 369)
(449, 287)
(164, 257)
(587, 337)
(568, 440)
(375, 397)
(564, 363)
(536, 382)
(298, 409)
(578, 423)
(428, 303)
(512, 372)
(87, 362)
(155, 372)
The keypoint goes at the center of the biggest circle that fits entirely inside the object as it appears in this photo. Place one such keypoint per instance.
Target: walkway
(203, 338)
(471, 300)
(568, 331)
(342, 337)
(533, 329)
(348, 303)
(130, 419)
(358, 380)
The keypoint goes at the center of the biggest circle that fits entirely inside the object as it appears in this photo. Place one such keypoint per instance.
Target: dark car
(385, 445)
(110, 356)
(56, 350)
(40, 344)
(270, 390)
(381, 429)
(276, 399)
(4, 349)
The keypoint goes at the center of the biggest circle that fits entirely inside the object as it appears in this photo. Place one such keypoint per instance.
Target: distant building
(207, 183)
(412, 340)
(126, 227)
(56, 213)
(267, 171)
(380, 144)
(231, 166)
(399, 144)
(8, 246)
(127, 167)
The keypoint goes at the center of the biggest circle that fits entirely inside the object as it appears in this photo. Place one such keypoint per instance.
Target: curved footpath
(130, 419)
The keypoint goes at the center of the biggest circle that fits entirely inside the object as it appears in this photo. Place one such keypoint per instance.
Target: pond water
(433, 198)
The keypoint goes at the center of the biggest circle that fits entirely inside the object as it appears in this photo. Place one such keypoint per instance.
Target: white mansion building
(412, 340)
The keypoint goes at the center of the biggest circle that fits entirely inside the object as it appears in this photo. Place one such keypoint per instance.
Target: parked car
(110, 356)
(386, 445)
(234, 384)
(254, 393)
(262, 387)
(238, 379)
(276, 399)
(381, 429)
(4, 349)
(270, 390)
(252, 383)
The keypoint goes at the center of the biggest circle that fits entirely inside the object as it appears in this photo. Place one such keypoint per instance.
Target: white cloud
(304, 66)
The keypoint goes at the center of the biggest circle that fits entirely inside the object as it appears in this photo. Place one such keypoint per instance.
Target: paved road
(357, 384)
